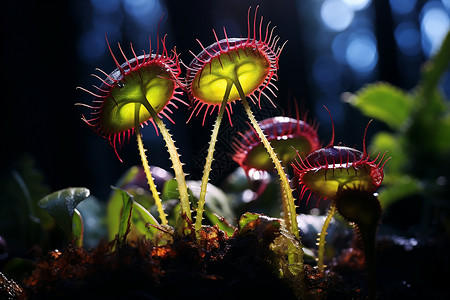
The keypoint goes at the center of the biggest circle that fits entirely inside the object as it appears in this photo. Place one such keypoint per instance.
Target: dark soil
(220, 268)
(240, 267)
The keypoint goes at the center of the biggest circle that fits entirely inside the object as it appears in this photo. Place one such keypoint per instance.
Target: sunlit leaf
(246, 219)
(383, 102)
(125, 218)
(115, 203)
(77, 228)
(394, 145)
(61, 206)
(216, 200)
(142, 219)
(170, 190)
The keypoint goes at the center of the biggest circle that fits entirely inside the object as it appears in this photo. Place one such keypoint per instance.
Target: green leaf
(141, 220)
(129, 176)
(170, 190)
(61, 206)
(94, 221)
(394, 145)
(247, 218)
(115, 203)
(216, 200)
(77, 228)
(114, 211)
(125, 218)
(134, 218)
(442, 135)
(383, 102)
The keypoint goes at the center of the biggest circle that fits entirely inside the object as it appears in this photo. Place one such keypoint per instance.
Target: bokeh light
(357, 4)
(143, 12)
(402, 7)
(336, 15)
(435, 23)
(361, 52)
(407, 36)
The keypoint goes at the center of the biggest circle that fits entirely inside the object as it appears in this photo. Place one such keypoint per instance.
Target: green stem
(210, 158)
(175, 158)
(283, 202)
(147, 172)
(295, 254)
(322, 235)
(291, 218)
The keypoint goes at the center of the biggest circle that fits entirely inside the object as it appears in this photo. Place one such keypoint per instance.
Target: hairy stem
(147, 172)
(322, 235)
(176, 163)
(209, 159)
(295, 254)
(291, 218)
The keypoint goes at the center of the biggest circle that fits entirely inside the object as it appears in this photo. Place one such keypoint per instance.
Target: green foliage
(61, 205)
(419, 142)
(125, 217)
(77, 228)
(383, 102)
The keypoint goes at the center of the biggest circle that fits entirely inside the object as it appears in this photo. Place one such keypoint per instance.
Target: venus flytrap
(349, 178)
(140, 91)
(227, 71)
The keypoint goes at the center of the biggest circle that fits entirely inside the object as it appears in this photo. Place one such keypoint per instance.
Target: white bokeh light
(336, 15)
(362, 53)
(435, 23)
(358, 4)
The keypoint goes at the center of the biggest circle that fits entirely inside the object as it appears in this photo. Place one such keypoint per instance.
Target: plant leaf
(394, 144)
(383, 102)
(78, 228)
(170, 190)
(216, 200)
(247, 218)
(141, 220)
(61, 205)
(115, 203)
(125, 218)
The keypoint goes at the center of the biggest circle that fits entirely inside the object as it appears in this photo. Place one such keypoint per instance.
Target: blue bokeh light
(144, 12)
(402, 7)
(407, 36)
(435, 23)
(358, 4)
(361, 52)
(339, 47)
(336, 15)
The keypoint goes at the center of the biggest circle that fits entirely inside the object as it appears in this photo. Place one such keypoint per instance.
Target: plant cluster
(168, 220)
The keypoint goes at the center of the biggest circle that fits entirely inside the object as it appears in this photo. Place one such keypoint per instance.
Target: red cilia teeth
(250, 62)
(151, 78)
(284, 134)
(330, 170)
